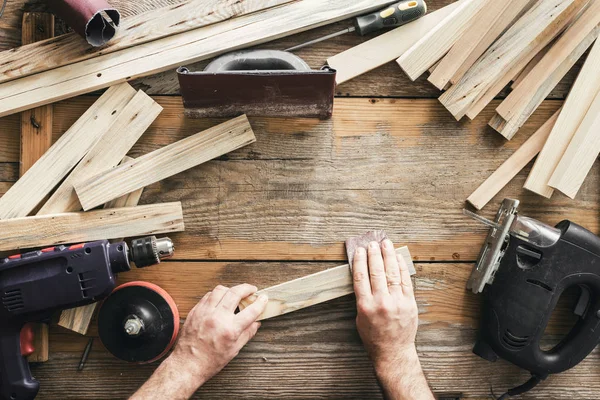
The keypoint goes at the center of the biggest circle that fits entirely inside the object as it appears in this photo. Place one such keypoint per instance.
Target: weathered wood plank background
(390, 158)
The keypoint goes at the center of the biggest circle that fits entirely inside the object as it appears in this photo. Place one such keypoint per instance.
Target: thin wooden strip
(47, 230)
(170, 52)
(438, 41)
(125, 131)
(476, 38)
(581, 154)
(165, 162)
(79, 319)
(60, 159)
(523, 74)
(534, 30)
(513, 9)
(574, 110)
(512, 166)
(138, 29)
(310, 290)
(386, 47)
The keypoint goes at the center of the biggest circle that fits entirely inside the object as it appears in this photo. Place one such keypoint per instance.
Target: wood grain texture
(47, 230)
(386, 47)
(135, 30)
(166, 162)
(170, 52)
(58, 161)
(439, 40)
(578, 103)
(310, 290)
(126, 129)
(545, 20)
(512, 166)
(79, 319)
(580, 155)
(523, 74)
(530, 93)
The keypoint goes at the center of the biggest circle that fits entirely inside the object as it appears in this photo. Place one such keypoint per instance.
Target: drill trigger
(583, 302)
(27, 337)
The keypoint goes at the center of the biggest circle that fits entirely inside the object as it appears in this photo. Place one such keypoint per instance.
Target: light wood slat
(523, 74)
(386, 47)
(569, 47)
(166, 162)
(79, 319)
(513, 10)
(58, 161)
(534, 30)
(125, 131)
(435, 44)
(170, 52)
(489, 23)
(581, 154)
(512, 166)
(48, 230)
(576, 106)
(311, 290)
(138, 29)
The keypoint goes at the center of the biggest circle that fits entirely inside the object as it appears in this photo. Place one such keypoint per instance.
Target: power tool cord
(526, 387)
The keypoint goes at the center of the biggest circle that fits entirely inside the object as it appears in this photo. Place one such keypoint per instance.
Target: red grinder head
(138, 322)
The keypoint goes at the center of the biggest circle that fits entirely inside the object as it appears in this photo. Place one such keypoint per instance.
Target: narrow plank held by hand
(125, 131)
(49, 230)
(79, 319)
(574, 110)
(165, 162)
(538, 27)
(173, 51)
(437, 42)
(386, 47)
(511, 167)
(310, 290)
(135, 30)
(25, 195)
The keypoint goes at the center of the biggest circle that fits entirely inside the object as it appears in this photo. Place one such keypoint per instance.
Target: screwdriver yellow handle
(391, 17)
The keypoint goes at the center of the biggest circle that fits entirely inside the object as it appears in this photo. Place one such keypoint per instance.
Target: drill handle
(16, 382)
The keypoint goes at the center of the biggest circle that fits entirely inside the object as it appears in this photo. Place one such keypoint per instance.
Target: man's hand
(387, 320)
(211, 337)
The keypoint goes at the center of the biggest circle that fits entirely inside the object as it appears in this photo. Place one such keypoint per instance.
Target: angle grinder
(138, 322)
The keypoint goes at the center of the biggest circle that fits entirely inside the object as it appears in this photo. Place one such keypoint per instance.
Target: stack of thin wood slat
(484, 45)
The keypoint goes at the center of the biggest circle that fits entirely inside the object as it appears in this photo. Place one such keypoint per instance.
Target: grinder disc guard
(138, 322)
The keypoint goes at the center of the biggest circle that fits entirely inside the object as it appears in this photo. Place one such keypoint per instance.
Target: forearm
(401, 377)
(171, 380)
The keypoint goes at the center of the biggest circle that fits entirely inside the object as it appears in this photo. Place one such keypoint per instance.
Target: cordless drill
(35, 285)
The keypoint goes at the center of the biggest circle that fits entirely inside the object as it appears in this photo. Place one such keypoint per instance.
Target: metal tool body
(34, 285)
(523, 269)
(393, 16)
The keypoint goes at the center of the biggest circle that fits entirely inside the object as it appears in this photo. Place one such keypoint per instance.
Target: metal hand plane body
(522, 270)
(36, 284)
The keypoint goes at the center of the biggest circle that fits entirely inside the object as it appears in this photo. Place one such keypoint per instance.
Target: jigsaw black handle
(16, 381)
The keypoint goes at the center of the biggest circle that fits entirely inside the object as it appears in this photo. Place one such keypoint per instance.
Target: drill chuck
(149, 251)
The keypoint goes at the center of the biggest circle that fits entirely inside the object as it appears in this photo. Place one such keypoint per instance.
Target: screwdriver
(392, 16)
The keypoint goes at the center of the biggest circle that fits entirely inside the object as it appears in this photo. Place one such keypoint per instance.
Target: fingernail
(263, 298)
(360, 251)
(374, 245)
(387, 244)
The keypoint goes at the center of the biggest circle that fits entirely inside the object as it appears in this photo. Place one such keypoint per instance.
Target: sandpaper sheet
(363, 241)
(94, 20)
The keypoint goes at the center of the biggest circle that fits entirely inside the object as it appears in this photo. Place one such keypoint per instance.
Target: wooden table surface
(390, 158)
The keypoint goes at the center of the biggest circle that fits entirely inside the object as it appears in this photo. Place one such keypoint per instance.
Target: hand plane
(522, 270)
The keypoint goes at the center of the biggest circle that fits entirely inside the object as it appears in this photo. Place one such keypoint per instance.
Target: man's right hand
(387, 320)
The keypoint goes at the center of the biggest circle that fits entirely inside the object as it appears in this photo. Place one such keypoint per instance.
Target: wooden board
(512, 166)
(110, 149)
(577, 104)
(47, 230)
(310, 290)
(173, 51)
(535, 29)
(523, 74)
(166, 162)
(581, 154)
(138, 29)
(57, 162)
(439, 40)
(569, 47)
